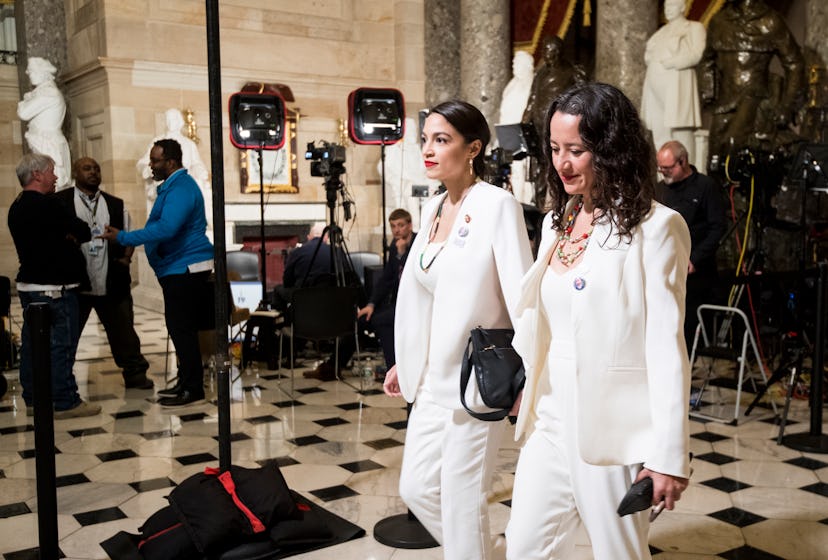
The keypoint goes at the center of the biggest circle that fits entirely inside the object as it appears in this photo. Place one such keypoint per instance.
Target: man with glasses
(698, 199)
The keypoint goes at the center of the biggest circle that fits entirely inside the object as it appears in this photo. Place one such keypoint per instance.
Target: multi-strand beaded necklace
(579, 243)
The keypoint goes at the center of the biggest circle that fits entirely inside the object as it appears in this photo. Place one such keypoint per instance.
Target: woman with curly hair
(600, 331)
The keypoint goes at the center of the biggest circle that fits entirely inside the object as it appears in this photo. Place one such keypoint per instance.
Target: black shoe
(139, 382)
(184, 398)
(170, 391)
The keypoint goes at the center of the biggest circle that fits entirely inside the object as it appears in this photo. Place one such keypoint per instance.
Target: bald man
(107, 264)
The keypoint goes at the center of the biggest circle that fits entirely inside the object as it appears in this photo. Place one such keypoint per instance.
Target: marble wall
(128, 61)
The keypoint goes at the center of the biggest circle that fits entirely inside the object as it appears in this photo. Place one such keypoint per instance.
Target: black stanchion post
(39, 321)
(814, 441)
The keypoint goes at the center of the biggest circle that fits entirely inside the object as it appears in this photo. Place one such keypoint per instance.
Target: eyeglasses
(662, 168)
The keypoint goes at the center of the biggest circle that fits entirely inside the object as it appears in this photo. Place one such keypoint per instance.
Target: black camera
(327, 160)
(498, 167)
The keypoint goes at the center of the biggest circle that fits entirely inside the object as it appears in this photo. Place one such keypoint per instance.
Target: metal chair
(724, 333)
(323, 313)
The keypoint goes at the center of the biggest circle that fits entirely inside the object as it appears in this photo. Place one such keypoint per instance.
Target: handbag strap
(465, 375)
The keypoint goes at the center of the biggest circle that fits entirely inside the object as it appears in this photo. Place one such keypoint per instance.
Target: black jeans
(188, 300)
(117, 317)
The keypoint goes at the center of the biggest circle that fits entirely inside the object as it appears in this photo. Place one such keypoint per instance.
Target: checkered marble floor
(749, 498)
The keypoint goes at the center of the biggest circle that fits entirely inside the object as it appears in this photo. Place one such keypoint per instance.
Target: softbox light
(520, 139)
(376, 116)
(257, 120)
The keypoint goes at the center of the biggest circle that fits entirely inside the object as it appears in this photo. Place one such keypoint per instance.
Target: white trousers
(447, 468)
(555, 490)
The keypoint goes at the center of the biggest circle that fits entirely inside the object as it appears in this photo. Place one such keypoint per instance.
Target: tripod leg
(788, 397)
(777, 375)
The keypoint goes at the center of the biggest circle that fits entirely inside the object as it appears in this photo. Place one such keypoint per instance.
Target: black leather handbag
(497, 369)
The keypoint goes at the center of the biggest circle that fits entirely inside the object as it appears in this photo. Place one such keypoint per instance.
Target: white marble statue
(670, 99)
(44, 108)
(512, 105)
(404, 168)
(190, 159)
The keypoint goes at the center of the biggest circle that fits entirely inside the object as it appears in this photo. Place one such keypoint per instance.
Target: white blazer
(485, 256)
(633, 376)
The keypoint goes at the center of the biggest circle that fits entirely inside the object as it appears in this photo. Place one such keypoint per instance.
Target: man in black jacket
(699, 201)
(107, 265)
(47, 239)
(380, 309)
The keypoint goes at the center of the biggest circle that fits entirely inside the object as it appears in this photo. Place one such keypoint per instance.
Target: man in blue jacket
(179, 252)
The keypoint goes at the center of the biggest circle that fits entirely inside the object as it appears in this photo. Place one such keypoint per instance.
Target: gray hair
(30, 163)
(316, 230)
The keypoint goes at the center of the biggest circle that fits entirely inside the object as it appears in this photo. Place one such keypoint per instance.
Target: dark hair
(622, 158)
(400, 214)
(470, 122)
(171, 149)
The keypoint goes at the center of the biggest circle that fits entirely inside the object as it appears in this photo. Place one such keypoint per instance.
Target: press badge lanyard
(96, 242)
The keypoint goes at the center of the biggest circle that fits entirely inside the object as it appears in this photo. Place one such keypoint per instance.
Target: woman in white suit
(600, 331)
(463, 271)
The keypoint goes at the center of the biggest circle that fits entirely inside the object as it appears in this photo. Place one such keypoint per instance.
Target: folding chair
(724, 333)
(323, 313)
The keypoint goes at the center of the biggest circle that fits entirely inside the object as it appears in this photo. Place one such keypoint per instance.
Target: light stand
(264, 304)
(384, 234)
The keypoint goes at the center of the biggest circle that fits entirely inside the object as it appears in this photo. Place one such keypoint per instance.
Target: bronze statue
(749, 104)
(552, 77)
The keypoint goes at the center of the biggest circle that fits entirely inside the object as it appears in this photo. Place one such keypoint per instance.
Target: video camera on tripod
(327, 160)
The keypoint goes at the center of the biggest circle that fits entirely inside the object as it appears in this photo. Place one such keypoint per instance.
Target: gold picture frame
(280, 167)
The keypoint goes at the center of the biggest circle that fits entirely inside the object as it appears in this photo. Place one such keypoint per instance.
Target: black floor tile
(8, 408)
(238, 436)
(127, 414)
(716, 458)
(385, 443)
(71, 480)
(152, 484)
(29, 453)
(806, 463)
(99, 516)
(16, 429)
(749, 553)
(251, 388)
(192, 417)
(310, 390)
(279, 462)
(334, 493)
(10, 510)
(272, 376)
(507, 503)
(400, 425)
(736, 516)
(262, 419)
(87, 432)
(362, 466)
(709, 437)
(820, 488)
(776, 420)
(368, 392)
(331, 422)
(196, 458)
(726, 484)
(654, 550)
(116, 455)
(307, 440)
(824, 521)
(352, 406)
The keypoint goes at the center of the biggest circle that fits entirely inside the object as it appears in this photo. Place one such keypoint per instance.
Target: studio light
(376, 116)
(257, 121)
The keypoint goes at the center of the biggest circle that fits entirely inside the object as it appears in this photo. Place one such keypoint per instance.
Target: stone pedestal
(623, 29)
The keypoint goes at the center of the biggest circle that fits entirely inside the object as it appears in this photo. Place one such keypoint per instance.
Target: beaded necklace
(432, 235)
(580, 243)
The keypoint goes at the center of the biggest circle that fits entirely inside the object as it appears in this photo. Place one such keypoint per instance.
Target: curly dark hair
(470, 122)
(622, 157)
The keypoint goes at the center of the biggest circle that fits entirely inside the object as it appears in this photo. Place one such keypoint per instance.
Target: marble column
(41, 31)
(623, 29)
(442, 50)
(485, 54)
(816, 28)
